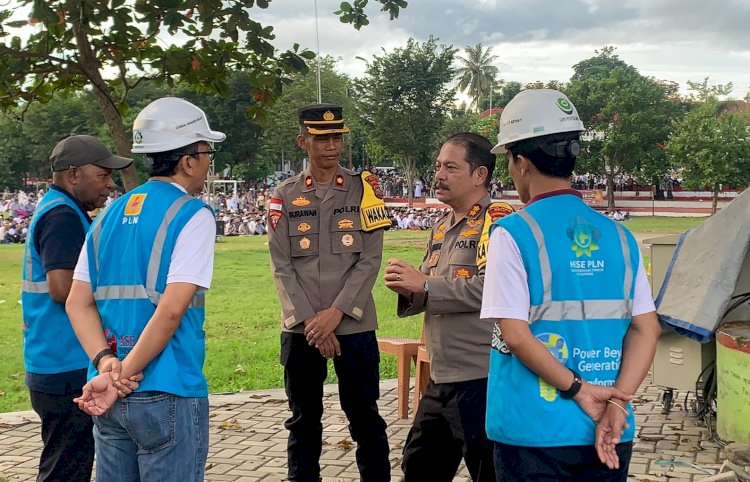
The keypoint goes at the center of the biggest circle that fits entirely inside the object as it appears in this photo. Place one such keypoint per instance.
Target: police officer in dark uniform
(326, 241)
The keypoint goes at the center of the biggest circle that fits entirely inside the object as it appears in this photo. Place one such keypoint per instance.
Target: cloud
(542, 39)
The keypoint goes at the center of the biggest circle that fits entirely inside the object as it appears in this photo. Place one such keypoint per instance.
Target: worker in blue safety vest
(575, 328)
(138, 298)
(54, 361)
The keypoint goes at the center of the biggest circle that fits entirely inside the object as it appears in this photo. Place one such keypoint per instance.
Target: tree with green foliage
(28, 144)
(627, 117)
(704, 92)
(405, 96)
(713, 148)
(501, 95)
(476, 74)
(354, 13)
(78, 43)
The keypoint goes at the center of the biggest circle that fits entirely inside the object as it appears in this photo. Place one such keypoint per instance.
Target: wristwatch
(99, 357)
(575, 387)
(426, 287)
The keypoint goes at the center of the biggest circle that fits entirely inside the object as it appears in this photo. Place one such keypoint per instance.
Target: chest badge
(304, 243)
(469, 232)
(474, 223)
(346, 224)
(301, 201)
(347, 240)
(462, 273)
(304, 227)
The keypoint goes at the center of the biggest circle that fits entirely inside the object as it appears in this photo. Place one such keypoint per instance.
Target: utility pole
(317, 55)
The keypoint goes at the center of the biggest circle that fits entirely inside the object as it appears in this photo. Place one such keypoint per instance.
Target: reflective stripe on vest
(577, 309)
(38, 286)
(134, 292)
(34, 287)
(138, 292)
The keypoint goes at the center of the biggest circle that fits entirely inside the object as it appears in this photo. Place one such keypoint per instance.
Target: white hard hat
(170, 123)
(535, 113)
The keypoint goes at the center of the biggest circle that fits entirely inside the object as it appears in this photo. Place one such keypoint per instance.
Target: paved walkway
(248, 440)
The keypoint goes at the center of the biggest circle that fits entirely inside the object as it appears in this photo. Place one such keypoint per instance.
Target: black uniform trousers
(357, 368)
(449, 424)
(67, 434)
(579, 463)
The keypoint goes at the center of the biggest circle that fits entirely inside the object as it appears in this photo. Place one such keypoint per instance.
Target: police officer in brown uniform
(326, 242)
(449, 423)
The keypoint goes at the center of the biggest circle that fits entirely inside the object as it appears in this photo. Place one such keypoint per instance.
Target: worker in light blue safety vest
(54, 361)
(575, 326)
(138, 297)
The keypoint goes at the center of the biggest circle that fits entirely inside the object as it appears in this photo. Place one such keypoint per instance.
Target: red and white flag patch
(275, 204)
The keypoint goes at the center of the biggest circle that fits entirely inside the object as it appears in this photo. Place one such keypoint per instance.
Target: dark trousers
(67, 435)
(449, 424)
(357, 368)
(548, 464)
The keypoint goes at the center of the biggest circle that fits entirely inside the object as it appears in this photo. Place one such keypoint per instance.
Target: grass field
(242, 321)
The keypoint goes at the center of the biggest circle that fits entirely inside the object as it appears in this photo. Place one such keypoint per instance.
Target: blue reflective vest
(581, 268)
(129, 249)
(49, 343)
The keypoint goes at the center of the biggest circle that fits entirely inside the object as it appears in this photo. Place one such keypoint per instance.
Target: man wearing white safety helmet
(575, 327)
(138, 299)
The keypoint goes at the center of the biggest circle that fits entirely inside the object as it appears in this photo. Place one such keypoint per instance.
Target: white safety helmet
(535, 113)
(170, 123)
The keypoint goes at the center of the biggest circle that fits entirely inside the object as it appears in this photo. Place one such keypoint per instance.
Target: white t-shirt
(506, 289)
(193, 256)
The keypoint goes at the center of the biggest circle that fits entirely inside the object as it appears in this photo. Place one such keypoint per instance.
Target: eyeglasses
(211, 154)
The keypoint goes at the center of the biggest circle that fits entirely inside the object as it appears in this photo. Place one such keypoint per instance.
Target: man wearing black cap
(326, 242)
(55, 362)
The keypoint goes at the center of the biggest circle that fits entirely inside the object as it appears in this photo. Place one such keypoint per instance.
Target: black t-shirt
(58, 238)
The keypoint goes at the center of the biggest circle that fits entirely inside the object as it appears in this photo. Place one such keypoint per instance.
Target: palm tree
(476, 74)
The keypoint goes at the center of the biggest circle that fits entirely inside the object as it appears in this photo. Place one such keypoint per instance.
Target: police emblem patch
(304, 227)
(273, 218)
(373, 181)
(301, 201)
(347, 240)
(474, 223)
(499, 210)
(304, 243)
(461, 273)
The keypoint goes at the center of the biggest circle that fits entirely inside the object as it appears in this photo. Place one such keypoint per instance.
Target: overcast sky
(676, 40)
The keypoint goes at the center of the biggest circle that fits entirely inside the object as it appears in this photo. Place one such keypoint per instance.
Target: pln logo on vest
(585, 238)
(133, 208)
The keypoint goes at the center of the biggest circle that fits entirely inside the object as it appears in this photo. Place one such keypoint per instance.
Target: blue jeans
(152, 436)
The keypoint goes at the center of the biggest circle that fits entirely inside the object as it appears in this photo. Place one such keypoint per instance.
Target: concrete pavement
(248, 440)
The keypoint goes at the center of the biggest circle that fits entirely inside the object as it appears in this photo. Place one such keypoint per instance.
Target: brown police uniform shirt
(457, 341)
(319, 255)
